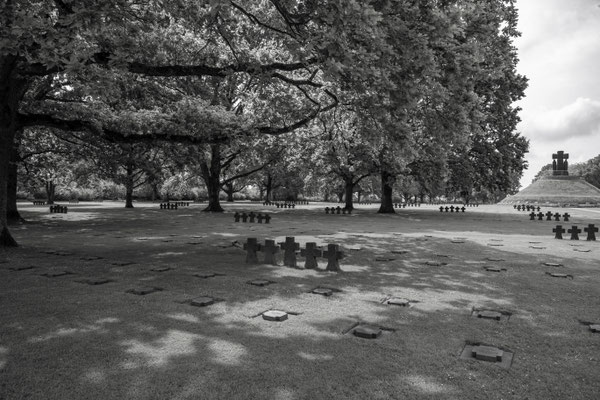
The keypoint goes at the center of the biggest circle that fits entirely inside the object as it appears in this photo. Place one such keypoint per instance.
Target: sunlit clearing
(158, 353)
(169, 253)
(436, 300)
(226, 352)
(94, 376)
(225, 234)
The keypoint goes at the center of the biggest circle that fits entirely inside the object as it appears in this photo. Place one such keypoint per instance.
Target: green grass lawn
(61, 338)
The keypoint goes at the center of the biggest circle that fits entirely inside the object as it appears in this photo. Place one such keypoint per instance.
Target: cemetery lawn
(70, 327)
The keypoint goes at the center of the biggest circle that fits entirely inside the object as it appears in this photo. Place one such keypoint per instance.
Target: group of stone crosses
(291, 248)
(39, 202)
(452, 209)
(57, 208)
(575, 231)
(549, 215)
(403, 205)
(337, 210)
(526, 207)
(174, 205)
(252, 217)
(286, 204)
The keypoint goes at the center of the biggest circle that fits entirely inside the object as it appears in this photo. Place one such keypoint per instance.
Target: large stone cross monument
(560, 166)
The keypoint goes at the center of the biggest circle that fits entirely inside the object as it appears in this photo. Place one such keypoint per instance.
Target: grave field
(112, 303)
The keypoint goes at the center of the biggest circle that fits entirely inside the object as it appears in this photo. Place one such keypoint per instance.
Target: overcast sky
(559, 52)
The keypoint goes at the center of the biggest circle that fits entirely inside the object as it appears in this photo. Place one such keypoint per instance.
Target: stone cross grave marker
(549, 216)
(252, 216)
(259, 218)
(540, 216)
(557, 217)
(289, 254)
(251, 247)
(244, 217)
(591, 232)
(559, 230)
(333, 254)
(311, 253)
(566, 217)
(560, 165)
(267, 218)
(270, 249)
(532, 216)
(574, 231)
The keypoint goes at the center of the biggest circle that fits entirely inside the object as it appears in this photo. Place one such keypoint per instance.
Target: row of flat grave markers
(452, 209)
(291, 248)
(575, 231)
(549, 215)
(59, 209)
(526, 207)
(252, 217)
(337, 210)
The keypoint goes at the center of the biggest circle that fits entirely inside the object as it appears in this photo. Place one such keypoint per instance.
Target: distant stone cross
(559, 230)
(270, 249)
(289, 255)
(591, 232)
(532, 216)
(333, 254)
(574, 231)
(251, 246)
(559, 164)
(311, 253)
(549, 216)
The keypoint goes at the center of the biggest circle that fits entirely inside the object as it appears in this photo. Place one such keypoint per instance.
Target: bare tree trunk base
(13, 218)
(6, 240)
(214, 208)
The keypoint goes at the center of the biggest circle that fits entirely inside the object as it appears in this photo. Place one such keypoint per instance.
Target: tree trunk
(359, 195)
(349, 189)
(228, 189)
(12, 90)
(129, 186)
(50, 191)
(387, 189)
(212, 178)
(269, 188)
(12, 212)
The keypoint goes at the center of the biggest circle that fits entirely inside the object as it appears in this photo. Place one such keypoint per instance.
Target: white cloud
(578, 119)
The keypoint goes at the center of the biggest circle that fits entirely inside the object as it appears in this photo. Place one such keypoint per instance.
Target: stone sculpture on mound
(562, 166)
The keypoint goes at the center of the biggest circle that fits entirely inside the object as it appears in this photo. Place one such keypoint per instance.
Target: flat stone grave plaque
(123, 263)
(435, 263)
(55, 274)
(495, 269)
(595, 328)
(495, 259)
(91, 258)
(161, 269)
(384, 259)
(488, 314)
(551, 264)
(202, 301)
(557, 275)
(94, 281)
(208, 275)
(582, 250)
(260, 282)
(399, 251)
(487, 353)
(537, 247)
(495, 244)
(322, 291)
(367, 331)
(142, 291)
(275, 315)
(457, 241)
(194, 243)
(21, 267)
(397, 301)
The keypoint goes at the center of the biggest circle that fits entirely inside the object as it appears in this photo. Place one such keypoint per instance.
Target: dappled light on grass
(160, 352)
(3, 355)
(427, 385)
(226, 352)
(97, 327)
(184, 317)
(438, 300)
(315, 357)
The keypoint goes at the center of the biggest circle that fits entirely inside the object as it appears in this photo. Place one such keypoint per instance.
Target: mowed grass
(61, 338)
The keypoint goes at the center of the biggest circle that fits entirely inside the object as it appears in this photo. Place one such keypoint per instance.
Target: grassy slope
(60, 339)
